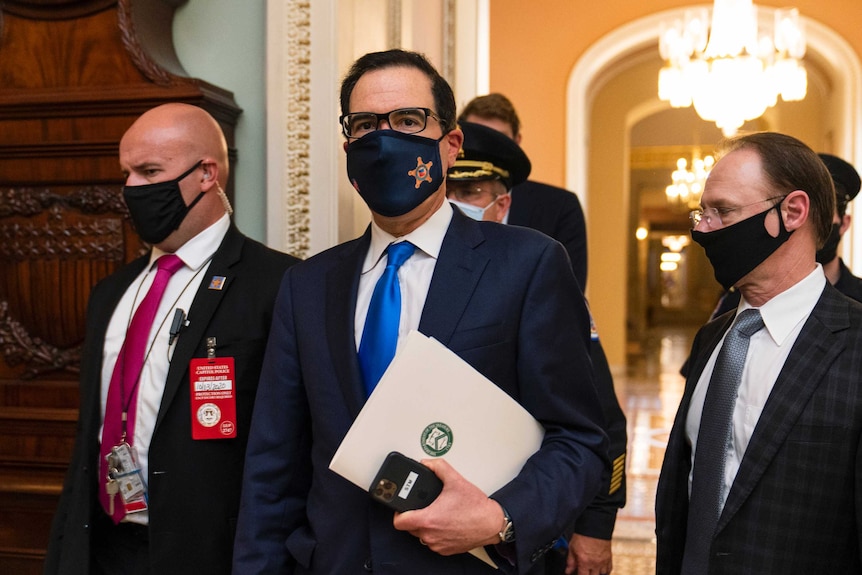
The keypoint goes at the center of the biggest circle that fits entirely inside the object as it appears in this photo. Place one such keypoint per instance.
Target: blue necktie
(380, 336)
(713, 438)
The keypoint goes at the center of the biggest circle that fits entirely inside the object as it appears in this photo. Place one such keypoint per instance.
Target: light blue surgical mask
(474, 212)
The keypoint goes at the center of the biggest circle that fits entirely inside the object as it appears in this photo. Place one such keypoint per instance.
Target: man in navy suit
(553, 211)
(786, 498)
(503, 298)
(220, 300)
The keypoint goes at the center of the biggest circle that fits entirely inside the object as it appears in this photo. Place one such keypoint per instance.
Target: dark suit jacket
(500, 298)
(795, 504)
(599, 518)
(555, 212)
(848, 284)
(193, 485)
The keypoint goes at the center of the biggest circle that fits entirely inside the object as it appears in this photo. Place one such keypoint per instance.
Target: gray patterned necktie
(713, 439)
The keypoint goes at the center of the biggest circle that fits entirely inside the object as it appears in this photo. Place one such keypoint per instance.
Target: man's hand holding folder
(462, 517)
(489, 437)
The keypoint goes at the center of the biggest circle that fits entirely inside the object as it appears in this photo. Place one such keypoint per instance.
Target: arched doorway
(613, 111)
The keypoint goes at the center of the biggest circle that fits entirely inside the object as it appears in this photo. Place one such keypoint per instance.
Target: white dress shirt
(783, 318)
(414, 275)
(179, 294)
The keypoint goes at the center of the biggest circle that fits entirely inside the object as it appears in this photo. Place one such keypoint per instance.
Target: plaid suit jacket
(796, 502)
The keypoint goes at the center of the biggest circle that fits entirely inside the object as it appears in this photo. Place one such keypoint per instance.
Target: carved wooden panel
(53, 246)
(74, 74)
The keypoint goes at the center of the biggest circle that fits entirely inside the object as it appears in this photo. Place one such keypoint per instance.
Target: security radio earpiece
(177, 325)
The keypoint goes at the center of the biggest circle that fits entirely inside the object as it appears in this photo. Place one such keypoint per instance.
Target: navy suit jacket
(505, 300)
(193, 485)
(555, 212)
(796, 503)
(848, 284)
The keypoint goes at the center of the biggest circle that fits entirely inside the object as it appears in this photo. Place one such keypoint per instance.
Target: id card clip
(124, 477)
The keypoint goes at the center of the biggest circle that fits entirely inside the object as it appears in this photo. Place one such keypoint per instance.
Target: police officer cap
(488, 154)
(845, 176)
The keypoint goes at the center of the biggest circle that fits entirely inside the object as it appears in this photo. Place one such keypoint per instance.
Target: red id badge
(213, 393)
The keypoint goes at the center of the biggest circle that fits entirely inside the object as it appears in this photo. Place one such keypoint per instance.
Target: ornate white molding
(393, 24)
(298, 125)
(297, 73)
(450, 19)
(289, 125)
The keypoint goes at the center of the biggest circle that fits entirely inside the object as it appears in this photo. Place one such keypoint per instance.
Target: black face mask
(830, 249)
(158, 209)
(394, 172)
(736, 250)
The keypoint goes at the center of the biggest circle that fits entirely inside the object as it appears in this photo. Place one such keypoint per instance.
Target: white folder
(427, 385)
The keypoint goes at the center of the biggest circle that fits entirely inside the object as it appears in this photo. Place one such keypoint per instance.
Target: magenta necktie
(121, 405)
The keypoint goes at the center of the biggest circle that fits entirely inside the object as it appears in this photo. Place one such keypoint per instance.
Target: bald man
(154, 482)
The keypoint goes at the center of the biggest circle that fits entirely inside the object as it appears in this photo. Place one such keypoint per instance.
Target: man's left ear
(845, 223)
(455, 139)
(795, 209)
(209, 178)
(505, 202)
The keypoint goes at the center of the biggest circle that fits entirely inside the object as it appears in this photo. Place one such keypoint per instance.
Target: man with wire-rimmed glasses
(503, 298)
(762, 468)
(847, 185)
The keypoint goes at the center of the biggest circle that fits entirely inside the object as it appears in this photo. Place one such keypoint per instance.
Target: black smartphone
(404, 484)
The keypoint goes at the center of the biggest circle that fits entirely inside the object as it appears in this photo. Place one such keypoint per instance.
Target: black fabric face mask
(158, 209)
(737, 249)
(394, 172)
(830, 249)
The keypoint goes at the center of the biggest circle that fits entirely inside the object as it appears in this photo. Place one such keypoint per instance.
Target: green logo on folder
(436, 439)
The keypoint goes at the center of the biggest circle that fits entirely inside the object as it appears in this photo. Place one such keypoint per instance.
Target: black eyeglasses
(404, 120)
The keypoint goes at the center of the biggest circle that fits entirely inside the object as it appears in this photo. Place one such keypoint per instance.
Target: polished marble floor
(649, 392)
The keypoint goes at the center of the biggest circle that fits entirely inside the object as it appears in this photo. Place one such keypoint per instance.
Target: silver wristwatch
(507, 532)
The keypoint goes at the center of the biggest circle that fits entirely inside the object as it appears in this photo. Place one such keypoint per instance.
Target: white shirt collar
(783, 312)
(198, 250)
(428, 237)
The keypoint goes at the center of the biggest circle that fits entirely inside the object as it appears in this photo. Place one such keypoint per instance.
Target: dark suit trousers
(122, 549)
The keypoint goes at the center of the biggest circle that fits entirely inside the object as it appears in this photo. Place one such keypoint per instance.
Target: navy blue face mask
(158, 209)
(394, 172)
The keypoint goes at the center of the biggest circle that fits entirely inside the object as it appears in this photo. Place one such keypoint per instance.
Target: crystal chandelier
(687, 185)
(731, 70)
